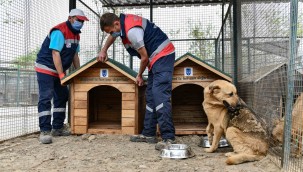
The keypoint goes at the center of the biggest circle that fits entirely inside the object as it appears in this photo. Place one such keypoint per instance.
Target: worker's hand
(61, 76)
(139, 80)
(102, 57)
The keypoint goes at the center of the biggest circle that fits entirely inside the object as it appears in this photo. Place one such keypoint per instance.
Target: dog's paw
(229, 154)
(209, 150)
(229, 161)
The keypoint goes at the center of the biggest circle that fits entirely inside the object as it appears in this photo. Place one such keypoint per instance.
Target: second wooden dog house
(191, 75)
(105, 99)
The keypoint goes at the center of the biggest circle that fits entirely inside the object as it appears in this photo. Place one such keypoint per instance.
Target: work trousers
(158, 94)
(51, 88)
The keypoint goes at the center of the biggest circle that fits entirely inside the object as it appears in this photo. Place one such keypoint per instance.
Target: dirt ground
(113, 153)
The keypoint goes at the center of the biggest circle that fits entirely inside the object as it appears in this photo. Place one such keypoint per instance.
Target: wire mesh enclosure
(270, 74)
(257, 42)
(188, 28)
(24, 25)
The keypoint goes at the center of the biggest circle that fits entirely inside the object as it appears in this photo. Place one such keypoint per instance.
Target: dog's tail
(242, 157)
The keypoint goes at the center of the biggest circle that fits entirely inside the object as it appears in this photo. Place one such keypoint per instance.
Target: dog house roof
(112, 63)
(203, 64)
(262, 72)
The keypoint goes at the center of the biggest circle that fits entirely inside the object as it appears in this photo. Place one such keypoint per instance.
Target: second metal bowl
(205, 142)
(177, 151)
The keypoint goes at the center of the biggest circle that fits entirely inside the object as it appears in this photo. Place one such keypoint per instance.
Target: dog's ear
(213, 88)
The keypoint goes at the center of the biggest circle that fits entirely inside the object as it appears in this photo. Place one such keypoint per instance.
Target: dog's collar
(235, 112)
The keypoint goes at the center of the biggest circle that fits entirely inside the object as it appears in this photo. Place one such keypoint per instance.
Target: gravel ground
(113, 153)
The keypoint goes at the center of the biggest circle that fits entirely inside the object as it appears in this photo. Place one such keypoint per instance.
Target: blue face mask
(116, 34)
(77, 25)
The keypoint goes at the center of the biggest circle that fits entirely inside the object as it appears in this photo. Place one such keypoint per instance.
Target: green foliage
(26, 60)
(300, 25)
(201, 48)
(173, 34)
(7, 16)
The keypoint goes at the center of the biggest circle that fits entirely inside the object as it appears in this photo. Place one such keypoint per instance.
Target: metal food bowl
(205, 143)
(177, 151)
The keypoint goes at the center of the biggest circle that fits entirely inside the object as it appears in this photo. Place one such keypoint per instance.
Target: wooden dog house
(191, 75)
(105, 99)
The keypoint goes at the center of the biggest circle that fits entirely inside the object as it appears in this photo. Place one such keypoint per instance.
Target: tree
(173, 34)
(201, 48)
(8, 18)
(300, 25)
(27, 60)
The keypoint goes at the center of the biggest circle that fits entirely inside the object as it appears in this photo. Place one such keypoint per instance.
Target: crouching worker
(145, 40)
(58, 51)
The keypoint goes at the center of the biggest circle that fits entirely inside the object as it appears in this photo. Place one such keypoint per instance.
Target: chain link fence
(268, 71)
(189, 29)
(24, 25)
(270, 74)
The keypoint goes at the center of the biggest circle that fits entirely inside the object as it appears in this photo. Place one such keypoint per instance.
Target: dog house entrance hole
(188, 114)
(105, 104)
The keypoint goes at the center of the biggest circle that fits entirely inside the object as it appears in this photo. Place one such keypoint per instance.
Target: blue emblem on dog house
(188, 71)
(191, 75)
(104, 73)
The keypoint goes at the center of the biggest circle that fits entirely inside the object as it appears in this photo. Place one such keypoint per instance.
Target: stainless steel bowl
(205, 143)
(177, 151)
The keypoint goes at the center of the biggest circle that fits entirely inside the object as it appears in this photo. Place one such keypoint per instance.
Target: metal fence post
(72, 5)
(222, 31)
(237, 38)
(290, 83)
(216, 54)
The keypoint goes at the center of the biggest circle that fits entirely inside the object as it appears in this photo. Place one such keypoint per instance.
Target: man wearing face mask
(145, 40)
(58, 51)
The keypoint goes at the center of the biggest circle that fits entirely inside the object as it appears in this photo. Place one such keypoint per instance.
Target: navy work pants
(51, 88)
(158, 94)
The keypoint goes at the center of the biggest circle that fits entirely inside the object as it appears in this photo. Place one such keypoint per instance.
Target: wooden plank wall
(89, 79)
(79, 114)
(201, 76)
(199, 73)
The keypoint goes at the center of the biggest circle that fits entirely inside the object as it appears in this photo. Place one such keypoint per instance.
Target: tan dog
(228, 114)
(218, 95)
(296, 129)
(247, 137)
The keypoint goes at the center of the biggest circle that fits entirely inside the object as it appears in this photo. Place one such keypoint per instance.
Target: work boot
(142, 138)
(164, 143)
(45, 137)
(61, 132)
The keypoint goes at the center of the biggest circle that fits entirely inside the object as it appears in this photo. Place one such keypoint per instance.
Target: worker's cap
(79, 14)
